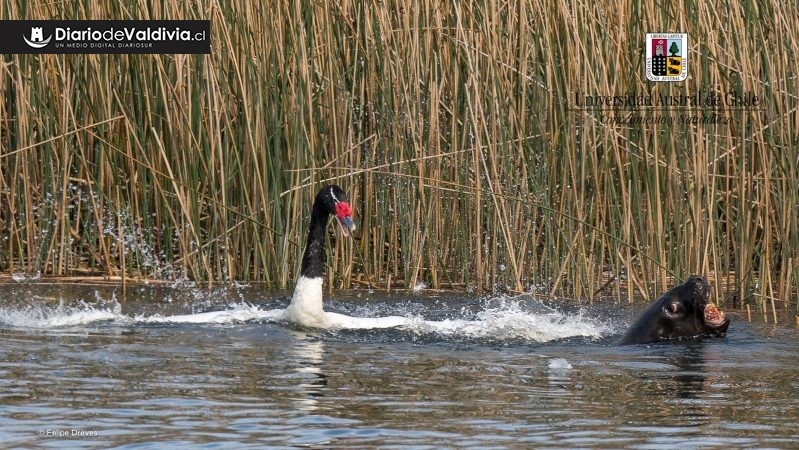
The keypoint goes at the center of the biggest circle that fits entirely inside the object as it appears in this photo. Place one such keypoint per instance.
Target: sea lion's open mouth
(714, 317)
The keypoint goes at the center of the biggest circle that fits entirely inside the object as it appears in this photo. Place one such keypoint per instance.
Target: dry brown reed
(454, 126)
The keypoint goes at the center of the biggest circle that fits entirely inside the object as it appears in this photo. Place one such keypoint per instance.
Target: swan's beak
(346, 224)
(344, 217)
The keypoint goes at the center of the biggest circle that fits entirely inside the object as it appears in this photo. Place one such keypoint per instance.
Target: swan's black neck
(313, 260)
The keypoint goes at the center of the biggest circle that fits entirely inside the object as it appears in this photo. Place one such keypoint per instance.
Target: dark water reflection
(239, 385)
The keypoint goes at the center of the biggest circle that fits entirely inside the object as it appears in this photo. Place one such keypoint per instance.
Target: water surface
(82, 368)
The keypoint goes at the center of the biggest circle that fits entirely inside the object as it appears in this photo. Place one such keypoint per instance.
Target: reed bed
(454, 126)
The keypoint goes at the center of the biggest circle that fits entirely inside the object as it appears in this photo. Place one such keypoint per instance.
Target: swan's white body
(306, 309)
(306, 304)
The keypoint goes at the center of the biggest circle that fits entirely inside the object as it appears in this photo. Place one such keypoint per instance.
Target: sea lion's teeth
(713, 315)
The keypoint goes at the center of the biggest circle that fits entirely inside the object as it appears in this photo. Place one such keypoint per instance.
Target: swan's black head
(681, 312)
(333, 200)
(330, 200)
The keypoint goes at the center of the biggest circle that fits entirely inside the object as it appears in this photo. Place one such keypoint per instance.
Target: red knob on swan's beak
(344, 216)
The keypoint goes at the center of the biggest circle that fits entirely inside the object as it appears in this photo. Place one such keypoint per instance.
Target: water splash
(60, 316)
(515, 319)
(238, 313)
(496, 320)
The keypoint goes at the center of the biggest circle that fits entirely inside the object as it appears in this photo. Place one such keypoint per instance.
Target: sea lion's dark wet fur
(679, 313)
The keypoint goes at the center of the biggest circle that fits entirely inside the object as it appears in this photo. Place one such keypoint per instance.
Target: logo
(36, 40)
(105, 37)
(666, 56)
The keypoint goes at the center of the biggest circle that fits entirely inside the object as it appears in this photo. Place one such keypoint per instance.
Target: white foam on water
(513, 323)
(508, 320)
(345, 322)
(239, 313)
(559, 364)
(44, 317)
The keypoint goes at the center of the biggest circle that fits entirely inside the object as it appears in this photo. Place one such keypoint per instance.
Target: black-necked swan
(306, 307)
(306, 303)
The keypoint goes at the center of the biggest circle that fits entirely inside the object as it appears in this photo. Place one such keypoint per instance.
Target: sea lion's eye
(672, 308)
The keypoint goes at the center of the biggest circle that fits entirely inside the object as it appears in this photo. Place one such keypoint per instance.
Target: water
(167, 367)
